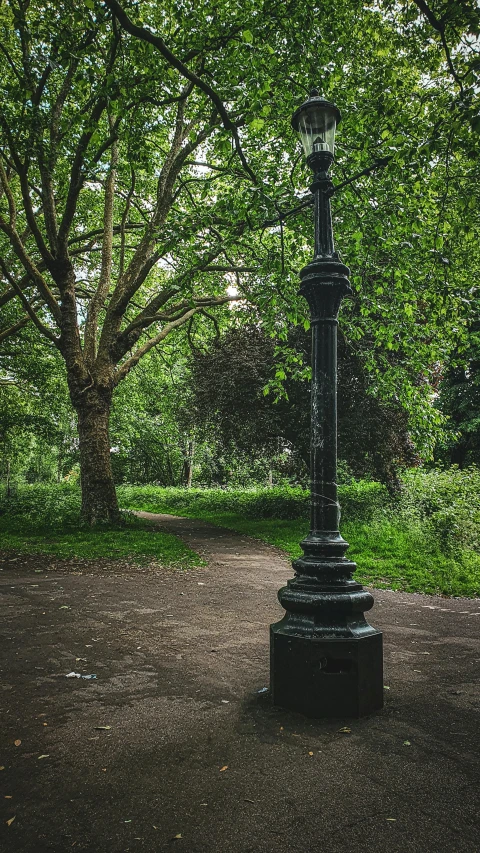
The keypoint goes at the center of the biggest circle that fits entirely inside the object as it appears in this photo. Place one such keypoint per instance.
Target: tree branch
(124, 220)
(153, 342)
(27, 306)
(12, 330)
(158, 42)
(22, 171)
(103, 287)
(76, 175)
(439, 26)
(30, 268)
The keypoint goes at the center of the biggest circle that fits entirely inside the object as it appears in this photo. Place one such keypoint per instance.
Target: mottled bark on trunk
(99, 499)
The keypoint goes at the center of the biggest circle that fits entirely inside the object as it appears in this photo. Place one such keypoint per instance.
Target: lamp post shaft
(325, 513)
(322, 189)
(326, 660)
(323, 463)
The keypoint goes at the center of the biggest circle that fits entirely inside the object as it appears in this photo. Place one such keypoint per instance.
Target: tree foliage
(229, 402)
(147, 166)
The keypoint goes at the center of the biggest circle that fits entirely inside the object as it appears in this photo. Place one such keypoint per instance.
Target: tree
(229, 401)
(37, 430)
(76, 196)
(459, 399)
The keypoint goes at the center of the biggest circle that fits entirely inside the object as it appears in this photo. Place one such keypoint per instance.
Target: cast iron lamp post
(326, 660)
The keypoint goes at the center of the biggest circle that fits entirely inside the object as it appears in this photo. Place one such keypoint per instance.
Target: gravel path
(192, 749)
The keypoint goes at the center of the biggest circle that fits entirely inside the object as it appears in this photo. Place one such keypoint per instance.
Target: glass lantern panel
(317, 130)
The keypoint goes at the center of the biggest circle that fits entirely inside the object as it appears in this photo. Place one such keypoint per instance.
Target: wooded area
(154, 215)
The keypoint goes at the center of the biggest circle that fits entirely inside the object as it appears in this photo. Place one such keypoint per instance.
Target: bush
(360, 501)
(446, 504)
(44, 505)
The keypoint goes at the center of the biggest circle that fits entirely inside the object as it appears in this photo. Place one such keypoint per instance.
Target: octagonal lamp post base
(326, 677)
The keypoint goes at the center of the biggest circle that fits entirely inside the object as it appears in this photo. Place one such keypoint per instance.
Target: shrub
(360, 500)
(44, 505)
(446, 503)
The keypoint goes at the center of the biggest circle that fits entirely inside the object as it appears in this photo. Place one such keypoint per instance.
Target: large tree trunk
(99, 499)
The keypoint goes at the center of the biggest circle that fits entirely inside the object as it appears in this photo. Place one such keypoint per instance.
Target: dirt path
(192, 748)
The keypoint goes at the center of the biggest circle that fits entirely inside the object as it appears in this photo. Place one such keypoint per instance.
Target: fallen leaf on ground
(310, 753)
(102, 728)
(179, 835)
(345, 729)
(9, 822)
(406, 743)
(223, 768)
(43, 756)
(17, 742)
(8, 797)
(391, 818)
(2, 768)
(385, 687)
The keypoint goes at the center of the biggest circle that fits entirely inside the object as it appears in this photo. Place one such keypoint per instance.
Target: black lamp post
(326, 660)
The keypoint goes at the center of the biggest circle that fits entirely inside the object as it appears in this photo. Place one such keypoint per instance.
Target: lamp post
(326, 660)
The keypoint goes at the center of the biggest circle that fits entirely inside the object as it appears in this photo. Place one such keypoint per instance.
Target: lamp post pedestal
(326, 660)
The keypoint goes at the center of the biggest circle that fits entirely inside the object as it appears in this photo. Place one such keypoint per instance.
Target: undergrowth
(45, 519)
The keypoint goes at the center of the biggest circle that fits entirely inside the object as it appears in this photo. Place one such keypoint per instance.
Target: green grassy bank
(44, 519)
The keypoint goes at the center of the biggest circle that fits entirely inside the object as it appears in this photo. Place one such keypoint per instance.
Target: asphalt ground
(173, 747)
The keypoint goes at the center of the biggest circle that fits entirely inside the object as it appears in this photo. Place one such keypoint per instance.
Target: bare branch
(12, 210)
(144, 258)
(31, 269)
(22, 171)
(126, 211)
(28, 306)
(76, 174)
(439, 26)
(12, 64)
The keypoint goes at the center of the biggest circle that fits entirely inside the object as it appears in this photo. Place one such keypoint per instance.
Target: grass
(416, 545)
(388, 555)
(137, 543)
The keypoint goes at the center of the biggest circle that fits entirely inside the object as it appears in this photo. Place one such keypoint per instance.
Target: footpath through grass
(44, 519)
(418, 543)
(426, 540)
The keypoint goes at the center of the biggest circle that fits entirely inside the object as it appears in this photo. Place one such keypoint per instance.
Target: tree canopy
(149, 176)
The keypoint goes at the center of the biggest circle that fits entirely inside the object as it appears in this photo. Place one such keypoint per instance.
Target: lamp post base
(326, 677)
